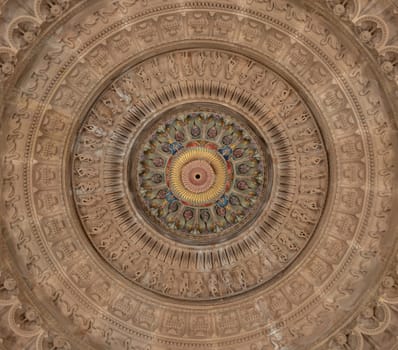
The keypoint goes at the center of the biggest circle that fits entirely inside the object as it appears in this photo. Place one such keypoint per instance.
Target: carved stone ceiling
(212, 174)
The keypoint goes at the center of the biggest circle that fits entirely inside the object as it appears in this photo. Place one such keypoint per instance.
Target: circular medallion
(197, 175)
(195, 199)
(201, 174)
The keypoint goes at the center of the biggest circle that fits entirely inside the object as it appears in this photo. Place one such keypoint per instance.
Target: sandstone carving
(209, 175)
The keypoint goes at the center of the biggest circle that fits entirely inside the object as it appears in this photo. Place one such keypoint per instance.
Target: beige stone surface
(212, 174)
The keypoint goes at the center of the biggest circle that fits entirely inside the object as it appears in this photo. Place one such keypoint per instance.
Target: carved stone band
(299, 252)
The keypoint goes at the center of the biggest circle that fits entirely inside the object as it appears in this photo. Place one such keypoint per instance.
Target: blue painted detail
(175, 147)
(223, 201)
(226, 152)
(170, 197)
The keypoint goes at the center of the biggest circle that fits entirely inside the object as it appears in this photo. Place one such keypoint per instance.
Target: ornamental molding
(373, 22)
(107, 101)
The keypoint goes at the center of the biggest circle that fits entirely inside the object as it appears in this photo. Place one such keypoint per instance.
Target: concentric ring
(201, 174)
(208, 248)
(203, 163)
(134, 269)
(197, 176)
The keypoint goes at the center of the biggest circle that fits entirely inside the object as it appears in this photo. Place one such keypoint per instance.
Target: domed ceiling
(212, 175)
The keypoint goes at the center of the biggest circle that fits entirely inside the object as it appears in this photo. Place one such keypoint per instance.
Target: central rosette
(198, 175)
(201, 174)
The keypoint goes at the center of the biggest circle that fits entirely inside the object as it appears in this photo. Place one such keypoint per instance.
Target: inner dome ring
(220, 223)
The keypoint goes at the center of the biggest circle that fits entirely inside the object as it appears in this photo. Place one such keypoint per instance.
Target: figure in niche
(155, 277)
(216, 61)
(197, 286)
(184, 286)
(169, 282)
(241, 277)
(255, 271)
(142, 268)
(228, 281)
(213, 285)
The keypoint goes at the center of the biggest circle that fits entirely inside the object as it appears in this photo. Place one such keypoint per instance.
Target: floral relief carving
(21, 324)
(306, 257)
(23, 32)
(50, 10)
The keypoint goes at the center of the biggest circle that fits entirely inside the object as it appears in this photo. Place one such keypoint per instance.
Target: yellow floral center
(198, 175)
